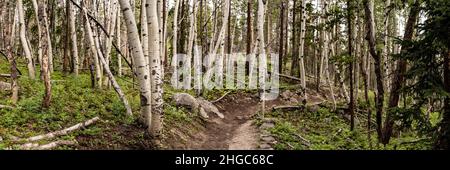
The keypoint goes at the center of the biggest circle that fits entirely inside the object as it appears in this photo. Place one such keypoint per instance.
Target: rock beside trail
(202, 106)
(186, 100)
(5, 86)
(286, 95)
(209, 107)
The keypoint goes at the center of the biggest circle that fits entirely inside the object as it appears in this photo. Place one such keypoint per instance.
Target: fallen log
(36, 146)
(290, 77)
(287, 107)
(61, 132)
(6, 107)
(220, 98)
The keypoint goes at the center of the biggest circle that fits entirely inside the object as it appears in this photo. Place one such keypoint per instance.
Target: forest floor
(245, 126)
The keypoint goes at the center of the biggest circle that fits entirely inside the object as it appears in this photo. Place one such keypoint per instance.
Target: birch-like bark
(93, 49)
(192, 35)
(261, 52)
(386, 51)
(302, 49)
(36, 11)
(119, 44)
(111, 30)
(155, 69)
(73, 37)
(221, 36)
(10, 35)
(23, 39)
(142, 70)
(144, 31)
(45, 54)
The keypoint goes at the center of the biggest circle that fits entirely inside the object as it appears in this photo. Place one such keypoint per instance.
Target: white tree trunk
(155, 68)
(36, 11)
(261, 52)
(23, 39)
(302, 49)
(144, 32)
(142, 70)
(119, 44)
(73, 35)
(221, 37)
(193, 25)
(93, 49)
(111, 30)
(386, 51)
(175, 28)
(49, 40)
(45, 67)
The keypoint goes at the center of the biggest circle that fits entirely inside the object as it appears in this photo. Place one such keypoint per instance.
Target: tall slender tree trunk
(295, 51)
(155, 69)
(66, 39)
(45, 55)
(36, 11)
(10, 43)
(281, 45)
(260, 51)
(249, 26)
(302, 49)
(93, 49)
(142, 70)
(73, 35)
(24, 40)
(175, 29)
(119, 43)
(386, 51)
(350, 27)
(50, 48)
(145, 31)
(399, 76)
(443, 141)
(192, 28)
(375, 53)
(229, 39)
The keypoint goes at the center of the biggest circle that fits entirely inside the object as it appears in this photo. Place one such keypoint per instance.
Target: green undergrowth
(73, 101)
(326, 130)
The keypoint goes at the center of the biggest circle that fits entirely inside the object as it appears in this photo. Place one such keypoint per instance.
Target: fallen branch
(287, 107)
(7, 75)
(305, 141)
(290, 77)
(36, 146)
(413, 141)
(6, 107)
(217, 100)
(62, 132)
